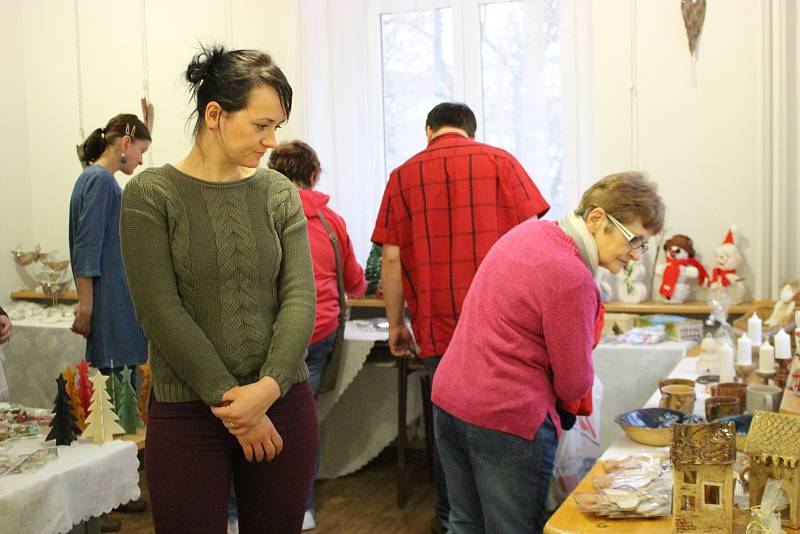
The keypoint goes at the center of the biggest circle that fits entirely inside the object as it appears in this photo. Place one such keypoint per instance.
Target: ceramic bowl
(742, 423)
(650, 426)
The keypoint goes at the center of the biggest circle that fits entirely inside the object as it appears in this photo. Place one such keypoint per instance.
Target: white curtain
(340, 57)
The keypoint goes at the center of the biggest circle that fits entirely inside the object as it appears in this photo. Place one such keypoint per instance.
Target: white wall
(699, 142)
(112, 77)
(16, 219)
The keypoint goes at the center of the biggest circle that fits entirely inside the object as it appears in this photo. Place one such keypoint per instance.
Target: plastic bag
(578, 450)
(766, 518)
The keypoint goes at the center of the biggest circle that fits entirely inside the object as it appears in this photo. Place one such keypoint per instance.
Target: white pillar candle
(754, 329)
(744, 351)
(726, 372)
(766, 358)
(783, 345)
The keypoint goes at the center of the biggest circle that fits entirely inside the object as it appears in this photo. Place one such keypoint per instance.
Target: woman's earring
(123, 159)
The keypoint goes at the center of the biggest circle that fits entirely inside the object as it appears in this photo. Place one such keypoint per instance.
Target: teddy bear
(680, 268)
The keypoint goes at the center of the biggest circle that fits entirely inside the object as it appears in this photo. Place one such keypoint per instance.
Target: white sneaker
(308, 520)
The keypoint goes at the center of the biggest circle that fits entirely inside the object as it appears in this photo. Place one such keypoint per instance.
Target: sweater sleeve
(147, 256)
(355, 283)
(568, 320)
(297, 296)
(90, 230)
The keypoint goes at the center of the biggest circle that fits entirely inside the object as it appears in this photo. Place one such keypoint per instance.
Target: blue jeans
(442, 503)
(497, 482)
(316, 360)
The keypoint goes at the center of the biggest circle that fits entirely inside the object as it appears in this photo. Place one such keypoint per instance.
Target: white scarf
(576, 228)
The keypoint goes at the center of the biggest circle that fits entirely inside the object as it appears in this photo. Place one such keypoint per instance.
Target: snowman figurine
(724, 274)
(680, 268)
(630, 285)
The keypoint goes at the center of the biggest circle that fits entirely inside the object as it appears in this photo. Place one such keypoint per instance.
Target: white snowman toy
(724, 274)
(630, 283)
(680, 269)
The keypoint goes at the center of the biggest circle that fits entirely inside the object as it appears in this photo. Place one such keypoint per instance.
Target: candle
(754, 329)
(726, 372)
(783, 345)
(744, 351)
(766, 358)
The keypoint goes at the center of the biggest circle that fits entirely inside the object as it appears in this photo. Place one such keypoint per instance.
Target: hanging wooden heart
(694, 13)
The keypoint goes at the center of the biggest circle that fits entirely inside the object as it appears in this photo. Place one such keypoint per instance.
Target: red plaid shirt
(445, 208)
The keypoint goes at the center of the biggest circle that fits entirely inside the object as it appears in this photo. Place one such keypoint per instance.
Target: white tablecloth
(85, 481)
(34, 357)
(630, 374)
(358, 418)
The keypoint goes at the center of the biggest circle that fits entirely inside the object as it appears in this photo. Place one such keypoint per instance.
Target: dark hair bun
(203, 63)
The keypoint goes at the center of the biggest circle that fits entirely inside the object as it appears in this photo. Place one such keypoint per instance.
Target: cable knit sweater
(525, 335)
(221, 280)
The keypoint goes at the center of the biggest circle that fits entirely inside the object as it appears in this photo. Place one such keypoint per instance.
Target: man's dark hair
(454, 114)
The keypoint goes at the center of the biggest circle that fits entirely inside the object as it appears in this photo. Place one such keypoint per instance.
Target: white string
(145, 66)
(634, 89)
(78, 72)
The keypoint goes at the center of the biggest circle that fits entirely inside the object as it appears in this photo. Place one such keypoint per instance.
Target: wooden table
(32, 294)
(568, 519)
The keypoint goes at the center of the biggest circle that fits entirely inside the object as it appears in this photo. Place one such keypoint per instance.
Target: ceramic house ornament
(702, 478)
(681, 269)
(724, 274)
(630, 283)
(773, 448)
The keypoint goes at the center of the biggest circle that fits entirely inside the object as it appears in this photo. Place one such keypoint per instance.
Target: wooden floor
(362, 503)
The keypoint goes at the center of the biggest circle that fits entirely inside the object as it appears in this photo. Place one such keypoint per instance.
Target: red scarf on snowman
(673, 271)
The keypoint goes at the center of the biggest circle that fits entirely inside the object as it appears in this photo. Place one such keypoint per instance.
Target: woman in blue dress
(104, 314)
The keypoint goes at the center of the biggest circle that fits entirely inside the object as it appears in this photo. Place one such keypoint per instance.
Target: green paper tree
(373, 270)
(114, 388)
(62, 427)
(129, 417)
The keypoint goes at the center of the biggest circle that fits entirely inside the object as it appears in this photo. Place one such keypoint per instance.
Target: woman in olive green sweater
(221, 277)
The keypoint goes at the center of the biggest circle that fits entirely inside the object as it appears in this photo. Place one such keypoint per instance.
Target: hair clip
(130, 132)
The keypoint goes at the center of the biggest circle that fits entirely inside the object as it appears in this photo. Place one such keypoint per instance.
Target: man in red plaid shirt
(442, 210)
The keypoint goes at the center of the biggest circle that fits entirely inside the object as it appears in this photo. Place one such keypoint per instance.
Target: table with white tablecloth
(629, 374)
(85, 481)
(358, 418)
(38, 351)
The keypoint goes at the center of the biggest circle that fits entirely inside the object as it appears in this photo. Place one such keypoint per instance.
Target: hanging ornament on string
(694, 14)
(79, 87)
(147, 105)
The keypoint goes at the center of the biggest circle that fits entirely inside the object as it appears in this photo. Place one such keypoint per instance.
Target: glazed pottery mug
(719, 406)
(761, 397)
(733, 389)
(678, 397)
(674, 381)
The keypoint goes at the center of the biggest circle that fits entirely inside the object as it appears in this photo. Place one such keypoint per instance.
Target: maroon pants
(190, 458)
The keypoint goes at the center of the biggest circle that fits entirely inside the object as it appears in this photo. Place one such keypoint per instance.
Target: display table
(85, 481)
(358, 418)
(568, 519)
(35, 355)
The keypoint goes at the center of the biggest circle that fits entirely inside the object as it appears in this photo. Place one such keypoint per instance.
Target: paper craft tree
(114, 388)
(84, 386)
(74, 398)
(101, 424)
(62, 427)
(144, 390)
(373, 271)
(129, 417)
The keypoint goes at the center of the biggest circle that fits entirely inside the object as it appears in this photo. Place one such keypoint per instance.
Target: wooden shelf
(34, 294)
(651, 306)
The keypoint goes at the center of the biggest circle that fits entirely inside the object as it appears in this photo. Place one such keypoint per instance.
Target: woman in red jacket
(299, 162)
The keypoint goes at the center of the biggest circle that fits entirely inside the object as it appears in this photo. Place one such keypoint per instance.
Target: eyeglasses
(636, 242)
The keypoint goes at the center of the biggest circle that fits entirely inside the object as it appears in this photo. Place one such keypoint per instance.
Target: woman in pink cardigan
(522, 344)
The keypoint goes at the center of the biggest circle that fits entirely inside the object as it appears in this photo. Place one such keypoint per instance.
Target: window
(711, 494)
(687, 503)
(503, 58)
(689, 477)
